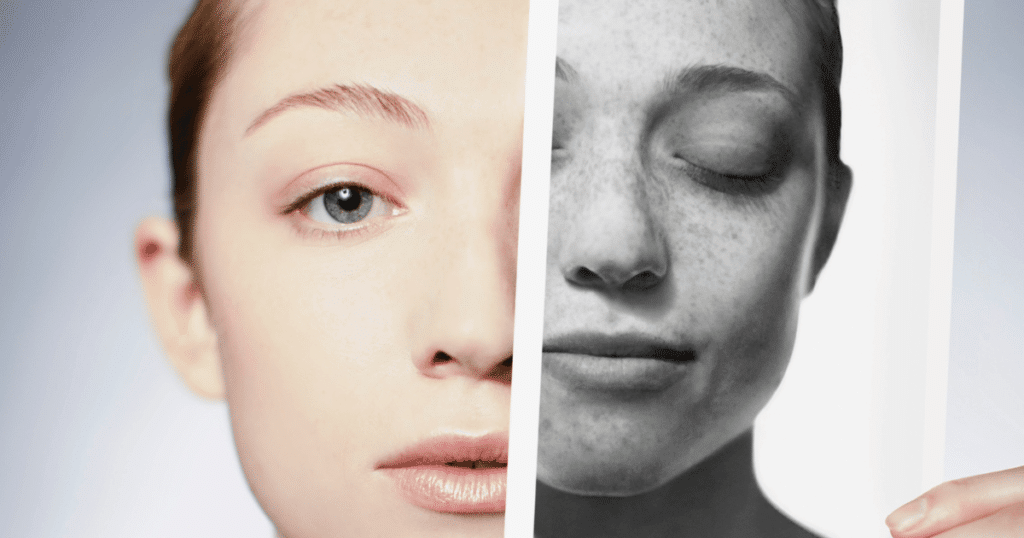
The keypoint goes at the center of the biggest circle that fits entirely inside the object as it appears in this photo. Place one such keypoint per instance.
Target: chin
(635, 461)
(616, 476)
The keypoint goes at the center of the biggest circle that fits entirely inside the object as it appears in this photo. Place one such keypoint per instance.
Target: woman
(697, 192)
(343, 263)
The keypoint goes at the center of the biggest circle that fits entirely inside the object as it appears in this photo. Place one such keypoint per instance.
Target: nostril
(582, 275)
(502, 372)
(642, 281)
(442, 358)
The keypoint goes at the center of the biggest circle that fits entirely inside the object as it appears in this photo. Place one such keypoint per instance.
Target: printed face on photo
(688, 199)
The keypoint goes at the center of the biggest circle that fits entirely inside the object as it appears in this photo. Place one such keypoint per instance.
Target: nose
(612, 240)
(467, 324)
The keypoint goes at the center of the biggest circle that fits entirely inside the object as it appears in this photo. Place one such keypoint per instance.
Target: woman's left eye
(347, 204)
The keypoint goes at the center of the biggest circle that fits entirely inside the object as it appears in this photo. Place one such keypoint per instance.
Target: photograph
(717, 169)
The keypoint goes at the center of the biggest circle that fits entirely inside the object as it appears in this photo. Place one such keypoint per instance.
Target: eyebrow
(727, 79)
(711, 78)
(359, 99)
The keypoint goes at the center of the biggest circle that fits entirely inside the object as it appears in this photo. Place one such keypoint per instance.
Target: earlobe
(177, 307)
(837, 192)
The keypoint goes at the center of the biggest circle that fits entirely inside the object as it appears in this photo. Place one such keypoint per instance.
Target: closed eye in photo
(726, 182)
(737, 143)
(727, 156)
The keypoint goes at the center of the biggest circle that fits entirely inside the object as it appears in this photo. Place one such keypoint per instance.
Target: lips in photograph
(624, 362)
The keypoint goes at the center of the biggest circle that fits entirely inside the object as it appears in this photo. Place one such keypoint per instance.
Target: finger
(1005, 523)
(956, 503)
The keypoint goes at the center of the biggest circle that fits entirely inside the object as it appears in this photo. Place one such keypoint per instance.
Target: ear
(837, 192)
(177, 307)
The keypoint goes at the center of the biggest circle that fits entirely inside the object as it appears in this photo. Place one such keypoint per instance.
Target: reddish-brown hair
(198, 57)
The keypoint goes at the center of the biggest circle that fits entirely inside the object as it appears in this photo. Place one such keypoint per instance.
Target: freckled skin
(736, 263)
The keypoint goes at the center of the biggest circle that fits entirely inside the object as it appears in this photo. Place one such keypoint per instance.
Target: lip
(625, 362)
(438, 473)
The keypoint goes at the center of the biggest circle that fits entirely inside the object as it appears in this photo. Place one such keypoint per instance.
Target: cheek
(739, 265)
(308, 337)
(304, 329)
(310, 324)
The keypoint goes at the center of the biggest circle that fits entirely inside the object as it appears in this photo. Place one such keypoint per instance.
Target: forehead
(419, 49)
(640, 42)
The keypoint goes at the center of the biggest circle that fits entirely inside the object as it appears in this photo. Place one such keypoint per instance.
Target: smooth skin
(338, 344)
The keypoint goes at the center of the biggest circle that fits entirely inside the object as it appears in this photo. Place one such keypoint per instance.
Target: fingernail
(908, 516)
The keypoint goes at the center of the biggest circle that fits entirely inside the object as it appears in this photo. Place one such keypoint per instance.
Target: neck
(719, 497)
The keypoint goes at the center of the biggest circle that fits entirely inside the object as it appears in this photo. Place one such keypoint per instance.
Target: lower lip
(609, 374)
(455, 490)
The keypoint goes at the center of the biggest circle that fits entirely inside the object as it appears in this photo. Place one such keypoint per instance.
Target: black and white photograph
(717, 169)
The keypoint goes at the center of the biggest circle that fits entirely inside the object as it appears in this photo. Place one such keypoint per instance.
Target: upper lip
(451, 448)
(635, 345)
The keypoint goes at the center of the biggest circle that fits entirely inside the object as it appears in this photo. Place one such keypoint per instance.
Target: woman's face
(356, 238)
(687, 193)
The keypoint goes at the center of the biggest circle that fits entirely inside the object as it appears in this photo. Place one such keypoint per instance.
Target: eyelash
(733, 184)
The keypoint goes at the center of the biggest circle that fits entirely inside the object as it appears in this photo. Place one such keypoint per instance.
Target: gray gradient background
(100, 438)
(985, 414)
